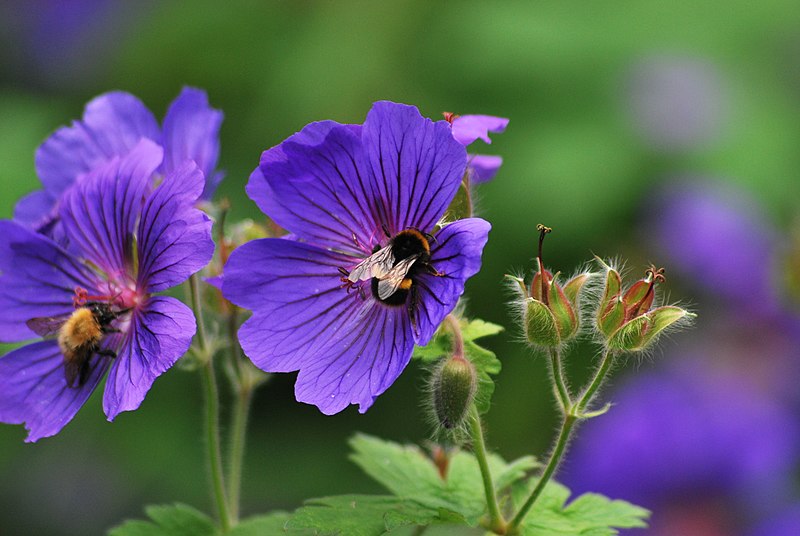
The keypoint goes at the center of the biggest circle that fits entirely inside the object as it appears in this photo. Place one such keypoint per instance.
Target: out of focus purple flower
(112, 126)
(127, 241)
(361, 282)
(784, 523)
(716, 237)
(469, 128)
(675, 102)
(62, 44)
(697, 444)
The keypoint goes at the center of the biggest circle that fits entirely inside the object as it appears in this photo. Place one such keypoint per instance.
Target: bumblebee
(79, 335)
(392, 269)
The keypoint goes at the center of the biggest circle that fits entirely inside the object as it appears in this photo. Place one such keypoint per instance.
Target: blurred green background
(582, 154)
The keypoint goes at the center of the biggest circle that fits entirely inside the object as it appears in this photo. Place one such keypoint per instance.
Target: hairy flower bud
(551, 313)
(625, 319)
(454, 386)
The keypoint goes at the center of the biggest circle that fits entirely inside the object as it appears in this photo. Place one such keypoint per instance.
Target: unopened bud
(454, 386)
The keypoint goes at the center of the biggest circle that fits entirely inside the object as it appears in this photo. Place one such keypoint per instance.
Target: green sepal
(660, 319)
(630, 336)
(574, 286)
(461, 205)
(563, 313)
(613, 318)
(612, 288)
(540, 325)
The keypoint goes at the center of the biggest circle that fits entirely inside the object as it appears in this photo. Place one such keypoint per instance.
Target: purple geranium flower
(127, 241)
(112, 125)
(469, 128)
(362, 281)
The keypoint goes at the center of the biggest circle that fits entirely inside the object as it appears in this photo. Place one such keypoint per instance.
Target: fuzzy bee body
(392, 269)
(79, 335)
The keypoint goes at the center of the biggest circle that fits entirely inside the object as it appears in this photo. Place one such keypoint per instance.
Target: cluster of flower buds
(551, 311)
(626, 320)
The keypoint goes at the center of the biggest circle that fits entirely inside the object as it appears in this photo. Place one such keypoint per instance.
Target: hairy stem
(496, 522)
(557, 374)
(572, 413)
(211, 411)
(238, 442)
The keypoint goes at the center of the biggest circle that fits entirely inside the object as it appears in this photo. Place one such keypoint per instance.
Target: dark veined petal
(160, 332)
(359, 362)
(483, 167)
(34, 390)
(112, 125)
(468, 128)
(314, 185)
(456, 253)
(296, 295)
(174, 237)
(415, 165)
(37, 279)
(35, 210)
(99, 213)
(191, 132)
(348, 349)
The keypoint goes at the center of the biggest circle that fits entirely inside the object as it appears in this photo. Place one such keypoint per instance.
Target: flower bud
(551, 313)
(625, 320)
(454, 386)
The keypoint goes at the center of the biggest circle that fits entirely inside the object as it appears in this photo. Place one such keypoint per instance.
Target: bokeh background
(654, 131)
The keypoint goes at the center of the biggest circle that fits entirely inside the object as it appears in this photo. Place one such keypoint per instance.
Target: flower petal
(191, 132)
(99, 214)
(483, 167)
(112, 125)
(296, 295)
(35, 210)
(468, 128)
(38, 280)
(359, 362)
(415, 166)
(34, 390)
(160, 333)
(174, 237)
(314, 185)
(456, 253)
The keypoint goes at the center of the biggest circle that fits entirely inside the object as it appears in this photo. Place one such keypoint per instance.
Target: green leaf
(590, 514)
(442, 342)
(365, 515)
(263, 525)
(409, 474)
(486, 366)
(173, 520)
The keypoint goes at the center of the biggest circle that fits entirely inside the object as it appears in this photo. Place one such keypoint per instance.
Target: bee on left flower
(79, 335)
(127, 232)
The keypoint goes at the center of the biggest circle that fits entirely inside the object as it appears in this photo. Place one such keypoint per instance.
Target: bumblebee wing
(376, 265)
(389, 283)
(46, 326)
(76, 365)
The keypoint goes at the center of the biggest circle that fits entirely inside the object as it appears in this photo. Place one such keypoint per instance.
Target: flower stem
(496, 522)
(238, 436)
(557, 374)
(552, 465)
(212, 411)
(597, 381)
(572, 414)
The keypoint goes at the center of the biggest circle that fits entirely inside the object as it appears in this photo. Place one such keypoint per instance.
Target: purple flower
(689, 435)
(362, 281)
(112, 125)
(469, 128)
(127, 241)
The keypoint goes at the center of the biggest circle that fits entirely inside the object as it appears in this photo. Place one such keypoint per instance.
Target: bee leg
(433, 271)
(429, 237)
(413, 302)
(107, 353)
(109, 329)
(386, 231)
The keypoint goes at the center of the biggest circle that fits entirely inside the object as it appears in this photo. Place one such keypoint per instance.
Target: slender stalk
(238, 436)
(212, 411)
(572, 414)
(496, 521)
(552, 465)
(557, 372)
(597, 381)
